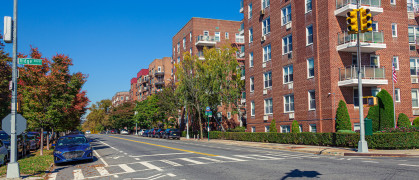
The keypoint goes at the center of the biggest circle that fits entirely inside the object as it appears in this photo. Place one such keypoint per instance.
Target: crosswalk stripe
(247, 157)
(209, 159)
(171, 163)
(267, 157)
(126, 168)
(78, 174)
(102, 171)
(52, 176)
(150, 166)
(192, 161)
(230, 158)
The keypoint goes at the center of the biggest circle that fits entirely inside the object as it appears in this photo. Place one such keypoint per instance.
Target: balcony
(239, 39)
(241, 6)
(344, 6)
(240, 56)
(145, 89)
(370, 42)
(157, 73)
(371, 76)
(202, 40)
(159, 83)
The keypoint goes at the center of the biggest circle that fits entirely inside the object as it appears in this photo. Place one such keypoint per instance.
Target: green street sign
(29, 61)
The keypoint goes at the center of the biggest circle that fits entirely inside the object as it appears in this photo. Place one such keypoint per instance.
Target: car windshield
(72, 141)
(31, 137)
(4, 136)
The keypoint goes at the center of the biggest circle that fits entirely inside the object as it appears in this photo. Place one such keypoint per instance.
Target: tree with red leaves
(5, 78)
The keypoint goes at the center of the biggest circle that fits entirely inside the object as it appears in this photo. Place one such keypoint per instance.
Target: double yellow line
(184, 150)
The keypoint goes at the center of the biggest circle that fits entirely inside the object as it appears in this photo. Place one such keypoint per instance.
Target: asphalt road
(131, 157)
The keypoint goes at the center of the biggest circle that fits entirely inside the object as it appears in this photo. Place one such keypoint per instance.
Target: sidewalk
(321, 150)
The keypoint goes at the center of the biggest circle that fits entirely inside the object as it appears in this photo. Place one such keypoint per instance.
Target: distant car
(159, 133)
(33, 141)
(145, 133)
(74, 147)
(152, 132)
(172, 133)
(124, 132)
(140, 133)
(88, 132)
(76, 132)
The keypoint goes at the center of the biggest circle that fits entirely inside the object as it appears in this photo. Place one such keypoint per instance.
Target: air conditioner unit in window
(288, 26)
(263, 38)
(415, 112)
(264, 65)
(291, 86)
(265, 91)
(290, 55)
(262, 12)
(414, 80)
(291, 115)
(265, 118)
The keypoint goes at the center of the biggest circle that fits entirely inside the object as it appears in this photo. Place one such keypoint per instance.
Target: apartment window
(288, 74)
(310, 68)
(414, 67)
(178, 59)
(190, 36)
(300, 127)
(393, 2)
(266, 26)
(309, 33)
(354, 59)
(266, 128)
(217, 36)
(285, 129)
(357, 126)
(122, 98)
(413, 33)
(311, 100)
(159, 69)
(415, 102)
(397, 93)
(313, 128)
(375, 60)
(206, 33)
(190, 51)
(253, 129)
(268, 106)
(375, 91)
(228, 115)
(252, 84)
(267, 78)
(396, 62)
(184, 43)
(265, 3)
(374, 26)
(394, 29)
(267, 53)
(356, 98)
(251, 59)
(286, 15)
(252, 107)
(308, 6)
(178, 47)
(249, 11)
(411, 4)
(227, 35)
(289, 103)
(250, 35)
(287, 44)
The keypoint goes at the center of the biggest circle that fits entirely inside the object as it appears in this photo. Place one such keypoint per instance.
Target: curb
(378, 155)
(50, 171)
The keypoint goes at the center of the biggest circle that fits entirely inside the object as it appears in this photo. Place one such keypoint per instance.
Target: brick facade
(120, 98)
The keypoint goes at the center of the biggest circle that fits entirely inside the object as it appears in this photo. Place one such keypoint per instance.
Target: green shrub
(403, 120)
(343, 121)
(374, 116)
(386, 111)
(416, 122)
(346, 131)
(295, 127)
(237, 129)
(272, 128)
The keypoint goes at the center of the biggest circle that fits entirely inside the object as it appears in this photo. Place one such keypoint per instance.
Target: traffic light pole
(362, 144)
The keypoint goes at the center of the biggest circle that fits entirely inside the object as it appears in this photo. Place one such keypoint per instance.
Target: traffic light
(352, 21)
(366, 23)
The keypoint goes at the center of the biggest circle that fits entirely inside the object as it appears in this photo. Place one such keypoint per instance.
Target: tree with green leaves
(98, 118)
(386, 111)
(5, 78)
(343, 121)
(374, 116)
(272, 127)
(403, 120)
(295, 127)
(416, 122)
(169, 105)
(122, 116)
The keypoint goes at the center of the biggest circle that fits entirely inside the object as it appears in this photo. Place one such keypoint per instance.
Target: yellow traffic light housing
(352, 21)
(365, 17)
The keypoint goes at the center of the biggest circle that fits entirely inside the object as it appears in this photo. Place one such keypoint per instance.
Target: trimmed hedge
(376, 141)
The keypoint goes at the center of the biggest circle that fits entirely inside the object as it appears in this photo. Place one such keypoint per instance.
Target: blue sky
(110, 40)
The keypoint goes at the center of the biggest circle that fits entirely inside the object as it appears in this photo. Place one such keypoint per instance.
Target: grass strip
(33, 164)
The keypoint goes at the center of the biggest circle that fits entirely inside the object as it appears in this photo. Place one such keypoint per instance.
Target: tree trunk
(47, 141)
(42, 142)
(200, 121)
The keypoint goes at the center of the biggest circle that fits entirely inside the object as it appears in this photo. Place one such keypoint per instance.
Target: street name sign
(29, 61)
(20, 124)
(208, 109)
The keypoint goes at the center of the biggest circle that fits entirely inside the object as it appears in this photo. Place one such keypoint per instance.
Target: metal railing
(368, 37)
(205, 38)
(372, 3)
(368, 72)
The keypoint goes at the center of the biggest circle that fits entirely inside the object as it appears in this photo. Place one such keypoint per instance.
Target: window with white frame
(394, 29)
(159, 69)
(288, 74)
(393, 2)
(190, 51)
(250, 35)
(414, 66)
(122, 98)
(396, 62)
(415, 99)
(217, 36)
(308, 6)
(310, 67)
(300, 127)
(265, 3)
(228, 115)
(253, 129)
(251, 59)
(268, 106)
(178, 59)
(356, 98)
(184, 43)
(178, 47)
(227, 35)
(206, 33)
(267, 79)
(413, 32)
(252, 84)
(411, 5)
(375, 60)
(397, 93)
(313, 128)
(375, 91)
(252, 107)
(249, 11)
(267, 53)
(286, 15)
(190, 36)
(312, 100)
(289, 103)
(374, 26)
(357, 126)
(266, 26)
(309, 35)
(285, 129)
(287, 44)
(266, 128)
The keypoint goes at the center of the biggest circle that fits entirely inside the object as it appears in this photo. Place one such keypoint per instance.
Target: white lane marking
(102, 171)
(78, 174)
(99, 157)
(267, 157)
(52, 176)
(247, 157)
(137, 159)
(115, 176)
(161, 154)
(370, 161)
(209, 159)
(230, 158)
(150, 166)
(192, 161)
(126, 168)
(408, 165)
(171, 175)
(108, 145)
(171, 163)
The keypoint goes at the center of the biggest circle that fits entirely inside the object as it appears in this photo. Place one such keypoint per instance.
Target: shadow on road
(298, 173)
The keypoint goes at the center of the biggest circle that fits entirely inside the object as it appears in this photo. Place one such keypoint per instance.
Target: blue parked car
(74, 147)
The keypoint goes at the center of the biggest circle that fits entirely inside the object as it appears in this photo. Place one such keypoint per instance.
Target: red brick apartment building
(133, 91)
(300, 61)
(142, 85)
(160, 73)
(120, 98)
(211, 33)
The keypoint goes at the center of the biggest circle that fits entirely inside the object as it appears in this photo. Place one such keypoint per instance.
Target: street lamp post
(136, 124)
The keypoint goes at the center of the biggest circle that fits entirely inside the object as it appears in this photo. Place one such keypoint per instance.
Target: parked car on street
(33, 141)
(4, 154)
(124, 132)
(74, 147)
(145, 133)
(88, 132)
(140, 132)
(159, 133)
(152, 132)
(172, 133)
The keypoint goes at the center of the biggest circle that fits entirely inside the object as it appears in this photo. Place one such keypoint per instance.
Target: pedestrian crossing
(160, 165)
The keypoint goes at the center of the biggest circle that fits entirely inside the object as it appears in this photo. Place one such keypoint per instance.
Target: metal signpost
(208, 112)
